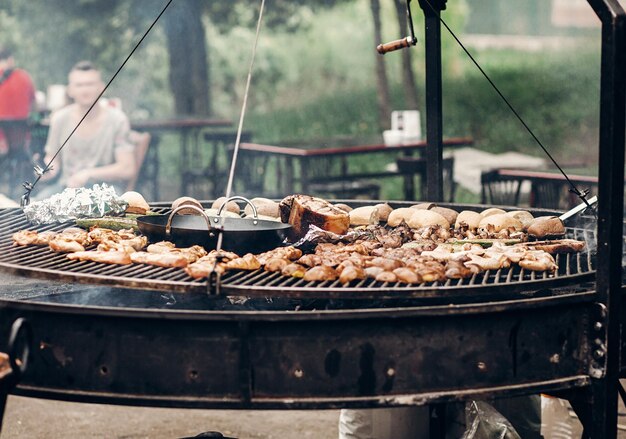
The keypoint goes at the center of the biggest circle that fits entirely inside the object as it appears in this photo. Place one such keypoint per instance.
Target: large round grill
(574, 268)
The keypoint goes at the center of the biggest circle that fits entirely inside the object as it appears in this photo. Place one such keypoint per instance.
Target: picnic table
(305, 168)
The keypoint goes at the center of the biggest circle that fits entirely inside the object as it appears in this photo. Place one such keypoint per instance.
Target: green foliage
(556, 93)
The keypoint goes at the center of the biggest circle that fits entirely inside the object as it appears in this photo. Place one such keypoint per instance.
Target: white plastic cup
(412, 125)
(393, 137)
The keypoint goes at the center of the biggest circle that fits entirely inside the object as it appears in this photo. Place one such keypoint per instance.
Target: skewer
(233, 163)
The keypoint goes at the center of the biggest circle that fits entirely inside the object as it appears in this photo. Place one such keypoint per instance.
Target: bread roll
(469, 218)
(426, 218)
(545, 226)
(343, 207)
(524, 216)
(449, 214)
(425, 206)
(136, 203)
(491, 211)
(225, 213)
(231, 206)
(264, 206)
(500, 221)
(186, 201)
(384, 210)
(364, 216)
(398, 215)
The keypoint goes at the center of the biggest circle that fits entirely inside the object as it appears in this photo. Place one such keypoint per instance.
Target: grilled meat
(321, 273)
(105, 257)
(32, 237)
(302, 211)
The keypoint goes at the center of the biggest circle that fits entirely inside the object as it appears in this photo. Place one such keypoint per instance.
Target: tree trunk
(408, 77)
(186, 45)
(382, 85)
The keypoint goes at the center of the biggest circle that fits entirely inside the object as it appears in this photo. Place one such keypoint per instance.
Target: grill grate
(40, 262)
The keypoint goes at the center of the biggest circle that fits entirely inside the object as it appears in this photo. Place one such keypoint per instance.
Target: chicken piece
(113, 257)
(192, 254)
(76, 234)
(512, 252)
(100, 234)
(294, 270)
(386, 276)
(276, 264)
(108, 246)
(246, 262)
(161, 247)
(441, 253)
(350, 273)
(538, 260)
(406, 275)
(32, 237)
(138, 242)
(223, 255)
(457, 270)
(310, 260)
(386, 264)
(167, 260)
(320, 273)
(64, 244)
(557, 246)
(326, 248)
(201, 269)
(373, 271)
(488, 263)
(289, 252)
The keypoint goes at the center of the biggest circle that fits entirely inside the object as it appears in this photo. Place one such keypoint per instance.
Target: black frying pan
(240, 235)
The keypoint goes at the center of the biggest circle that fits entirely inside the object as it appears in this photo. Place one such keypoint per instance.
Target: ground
(37, 418)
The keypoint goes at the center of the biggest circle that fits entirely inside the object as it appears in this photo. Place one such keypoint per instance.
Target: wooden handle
(393, 45)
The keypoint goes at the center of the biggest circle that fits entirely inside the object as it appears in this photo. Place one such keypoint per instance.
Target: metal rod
(611, 207)
(434, 129)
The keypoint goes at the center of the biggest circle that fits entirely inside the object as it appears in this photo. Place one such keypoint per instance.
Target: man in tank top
(99, 151)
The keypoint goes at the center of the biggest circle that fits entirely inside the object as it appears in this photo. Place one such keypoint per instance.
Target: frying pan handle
(245, 200)
(168, 226)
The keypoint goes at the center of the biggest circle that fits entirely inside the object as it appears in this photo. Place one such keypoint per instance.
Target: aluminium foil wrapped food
(101, 200)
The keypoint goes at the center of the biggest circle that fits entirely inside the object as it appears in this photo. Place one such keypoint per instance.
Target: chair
(412, 166)
(497, 189)
(141, 142)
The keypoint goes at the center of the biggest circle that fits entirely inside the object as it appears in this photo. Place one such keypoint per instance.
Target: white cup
(407, 121)
(393, 137)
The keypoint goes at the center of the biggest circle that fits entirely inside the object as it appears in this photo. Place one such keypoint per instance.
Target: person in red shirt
(17, 94)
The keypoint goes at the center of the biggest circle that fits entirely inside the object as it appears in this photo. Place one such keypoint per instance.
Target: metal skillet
(240, 235)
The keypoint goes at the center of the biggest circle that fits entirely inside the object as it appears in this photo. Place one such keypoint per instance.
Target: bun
(136, 203)
(545, 226)
(470, 218)
(232, 206)
(186, 201)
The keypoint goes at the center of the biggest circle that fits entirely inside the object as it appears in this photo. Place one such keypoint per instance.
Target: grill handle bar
(578, 209)
(168, 226)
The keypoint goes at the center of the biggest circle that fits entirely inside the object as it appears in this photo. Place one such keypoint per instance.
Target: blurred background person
(100, 150)
(17, 94)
